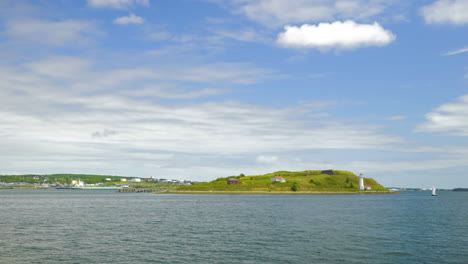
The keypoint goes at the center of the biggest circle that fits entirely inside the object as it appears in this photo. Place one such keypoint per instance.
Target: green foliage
(295, 187)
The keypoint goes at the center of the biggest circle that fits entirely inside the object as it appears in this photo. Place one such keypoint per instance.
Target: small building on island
(233, 181)
(278, 179)
(328, 172)
(367, 187)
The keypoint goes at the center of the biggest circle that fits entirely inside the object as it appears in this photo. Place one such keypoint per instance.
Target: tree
(295, 187)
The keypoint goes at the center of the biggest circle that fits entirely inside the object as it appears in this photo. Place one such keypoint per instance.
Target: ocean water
(88, 226)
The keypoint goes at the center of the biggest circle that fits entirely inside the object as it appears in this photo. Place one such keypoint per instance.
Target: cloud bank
(280, 12)
(54, 33)
(118, 4)
(337, 35)
(450, 118)
(446, 12)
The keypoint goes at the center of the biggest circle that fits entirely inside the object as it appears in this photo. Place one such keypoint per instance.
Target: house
(123, 180)
(233, 181)
(77, 183)
(278, 179)
(367, 187)
(135, 180)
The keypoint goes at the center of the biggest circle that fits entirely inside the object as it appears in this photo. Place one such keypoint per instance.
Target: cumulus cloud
(130, 19)
(55, 33)
(451, 118)
(336, 35)
(463, 50)
(280, 12)
(118, 4)
(446, 12)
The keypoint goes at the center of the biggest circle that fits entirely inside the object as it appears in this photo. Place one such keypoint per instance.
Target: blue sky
(200, 89)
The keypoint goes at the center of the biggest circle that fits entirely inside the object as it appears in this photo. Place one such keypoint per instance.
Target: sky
(201, 89)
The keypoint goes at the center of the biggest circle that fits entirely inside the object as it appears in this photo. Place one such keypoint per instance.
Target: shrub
(294, 187)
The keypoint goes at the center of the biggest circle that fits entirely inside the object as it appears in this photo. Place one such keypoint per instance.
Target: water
(82, 226)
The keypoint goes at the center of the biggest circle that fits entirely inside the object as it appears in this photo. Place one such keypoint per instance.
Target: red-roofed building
(278, 179)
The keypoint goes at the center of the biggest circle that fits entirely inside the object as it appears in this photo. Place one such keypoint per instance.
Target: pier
(138, 190)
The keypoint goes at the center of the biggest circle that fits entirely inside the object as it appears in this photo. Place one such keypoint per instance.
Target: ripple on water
(64, 227)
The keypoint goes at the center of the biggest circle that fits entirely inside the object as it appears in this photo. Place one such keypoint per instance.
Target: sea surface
(89, 226)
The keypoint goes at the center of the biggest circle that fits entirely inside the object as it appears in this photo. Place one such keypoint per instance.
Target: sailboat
(434, 192)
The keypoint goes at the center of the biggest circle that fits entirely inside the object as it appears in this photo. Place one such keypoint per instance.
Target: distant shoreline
(276, 193)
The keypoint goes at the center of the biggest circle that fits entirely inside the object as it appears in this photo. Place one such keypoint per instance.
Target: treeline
(60, 178)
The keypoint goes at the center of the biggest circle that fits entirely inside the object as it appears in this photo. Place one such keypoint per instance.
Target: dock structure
(137, 190)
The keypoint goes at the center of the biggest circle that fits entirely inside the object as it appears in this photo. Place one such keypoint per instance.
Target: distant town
(64, 181)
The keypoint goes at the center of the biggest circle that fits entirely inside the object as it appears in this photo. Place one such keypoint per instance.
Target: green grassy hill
(310, 180)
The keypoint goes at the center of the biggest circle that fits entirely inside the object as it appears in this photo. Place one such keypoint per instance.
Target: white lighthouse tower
(361, 182)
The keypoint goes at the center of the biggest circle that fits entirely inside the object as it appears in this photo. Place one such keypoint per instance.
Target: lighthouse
(361, 182)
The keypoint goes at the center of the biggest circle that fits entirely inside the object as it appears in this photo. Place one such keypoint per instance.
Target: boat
(434, 191)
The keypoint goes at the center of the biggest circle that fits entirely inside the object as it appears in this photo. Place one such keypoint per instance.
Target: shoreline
(274, 193)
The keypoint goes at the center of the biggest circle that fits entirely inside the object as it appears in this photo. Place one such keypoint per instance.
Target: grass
(304, 181)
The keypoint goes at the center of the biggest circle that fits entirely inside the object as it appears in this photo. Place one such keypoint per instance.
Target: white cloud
(89, 124)
(267, 159)
(463, 50)
(118, 4)
(446, 12)
(451, 118)
(398, 117)
(336, 35)
(280, 12)
(130, 19)
(248, 35)
(55, 33)
(171, 92)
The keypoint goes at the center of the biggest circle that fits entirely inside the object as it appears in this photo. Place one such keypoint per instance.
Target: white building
(278, 179)
(78, 183)
(135, 180)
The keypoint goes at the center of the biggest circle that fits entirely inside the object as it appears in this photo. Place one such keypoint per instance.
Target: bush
(294, 187)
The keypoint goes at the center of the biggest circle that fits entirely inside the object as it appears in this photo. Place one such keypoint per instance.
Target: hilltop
(309, 180)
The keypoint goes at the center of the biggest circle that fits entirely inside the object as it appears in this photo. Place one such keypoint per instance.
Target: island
(280, 182)
(287, 182)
